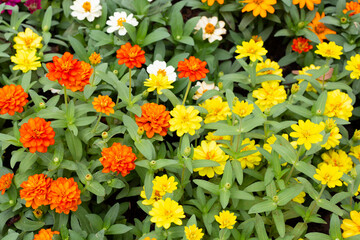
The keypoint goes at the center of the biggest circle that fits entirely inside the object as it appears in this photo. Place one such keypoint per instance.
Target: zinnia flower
(272, 140)
(217, 110)
(226, 219)
(89, 9)
(193, 68)
(259, 7)
(37, 135)
(243, 109)
(355, 151)
(158, 83)
(5, 182)
(329, 175)
(307, 133)
(45, 234)
(301, 44)
(132, 56)
(33, 5)
(352, 6)
(210, 151)
(271, 94)
(338, 104)
(309, 3)
(351, 227)
(354, 66)
(64, 195)
(118, 158)
(193, 232)
(27, 40)
(251, 49)
(337, 158)
(161, 186)
(212, 28)
(10, 3)
(166, 212)
(104, 104)
(154, 119)
(333, 139)
(95, 58)
(304, 71)
(26, 60)
(116, 21)
(185, 120)
(203, 87)
(211, 2)
(329, 50)
(319, 28)
(268, 64)
(35, 190)
(12, 99)
(299, 198)
(251, 160)
(160, 67)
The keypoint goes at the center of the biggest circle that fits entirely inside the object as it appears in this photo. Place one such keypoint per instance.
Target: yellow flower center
(209, 28)
(358, 66)
(320, 28)
(193, 67)
(65, 66)
(120, 21)
(38, 132)
(162, 72)
(87, 6)
(251, 50)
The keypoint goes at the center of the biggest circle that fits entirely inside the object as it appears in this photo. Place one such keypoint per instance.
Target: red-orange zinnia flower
(104, 104)
(118, 158)
(193, 68)
(132, 56)
(319, 28)
(352, 6)
(301, 44)
(154, 119)
(5, 182)
(95, 58)
(64, 195)
(12, 99)
(69, 72)
(35, 190)
(45, 234)
(37, 135)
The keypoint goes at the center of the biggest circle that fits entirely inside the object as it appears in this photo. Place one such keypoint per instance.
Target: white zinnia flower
(116, 22)
(160, 67)
(211, 28)
(203, 87)
(89, 9)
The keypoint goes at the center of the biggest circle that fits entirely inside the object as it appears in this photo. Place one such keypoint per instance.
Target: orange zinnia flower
(69, 72)
(104, 104)
(64, 195)
(12, 99)
(45, 234)
(132, 56)
(5, 182)
(154, 119)
(193, 68)
(352, 6)
(211, 2)
(118, 158)
(95, 58)
(37, 135)
(35, 190)
(301, 44)
(259, 7)
(319, 28)
(309, 3)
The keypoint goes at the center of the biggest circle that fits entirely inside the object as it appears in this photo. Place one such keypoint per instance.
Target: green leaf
(224, 197)
(238, 194)
(27, 225)
(74, 144)
(279, 221)
(131, 30)
(260, 228)
(146, 148)
(156, 35)
(111, 215)
(171, 96)
(299, 110)
(309, 189)
(211, 187)
(131, 126)
(287, 194)
(176, 24)
(148, 184)
(27, 162)
(46, 23)
(320, 103)
(265, 206)
(11, 236)
(95, 221)
(96, 188)
(78, 48)
(117, 229)
(239, 171)
(306, 168)
(284, 148)
(204, 163)
(317, 236)
(325, 204)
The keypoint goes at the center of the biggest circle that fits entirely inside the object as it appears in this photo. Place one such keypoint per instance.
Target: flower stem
(187, 92)
(65, 98)
(157, 98)
(129, 86)
(97, 123)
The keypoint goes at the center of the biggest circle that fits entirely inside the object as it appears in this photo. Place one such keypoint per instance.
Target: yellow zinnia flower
(166, 212)
(268, 64)
(303, 71)
(269, 95)
(329, 175)
(26, 60)
(217, 110)
(354, 66)
(27, 40)
(307, 133)
(226, 219)
(309, 3)
(356, 135)
(185, 120)
(337, 158)
(338, 104)
(333, 139)
(259, 7)
(210, 151)
(329, 50)
(251, 49)
(155, 196)
(251, 160)
(355, 151)
(193, 232)
(243, 109)
(300, 198)
(351, 227)
(158, 82)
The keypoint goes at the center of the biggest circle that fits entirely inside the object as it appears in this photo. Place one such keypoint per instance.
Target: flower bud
(235, 100)
(220, 74)
(11, 202)
(97, 26)
(220, 85)
(145, 94)
(301, 25)
(295, 88)
(116, 72)
(88, 177)
(104, 135)
(187, 151)
(109, 181)
(42, 105)
(275, 198)
(343, 20)
(227, 186)
(140, 131)
(38, 213)
(356, 136)
(45, 28)
(56, 160)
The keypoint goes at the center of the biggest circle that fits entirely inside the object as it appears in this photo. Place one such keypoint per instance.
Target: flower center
(38, 132)
(87, 6)
(209, 28)
(193, 66)
(319, 28)
(162, 72)
(258, 2)
(251, 50)
(65, 66)
(120, 21)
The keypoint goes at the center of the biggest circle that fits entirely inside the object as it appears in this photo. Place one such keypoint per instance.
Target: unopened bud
(115, 72)
(145, 94)
(267, 111)
(11, 202)
(220, 74)
(88, 177)
(220, 85)
(140, 131)
(56, 160)
(187, 151)
(295, 88)
(38, 213)
(356, 135)
(109, 181)
(42, 105)
(104, 135)
(318, 112)
(353, 173)
(97, 26)
(275, 198)
(343, 20)
(45, 28)
(301, 24)
(235, 100)
(227, 186)
(152, 163)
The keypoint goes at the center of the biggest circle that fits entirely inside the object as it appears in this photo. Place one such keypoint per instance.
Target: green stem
(92, 78)
(129, 86)
(239, 136)
(321, 192)
(316, 199)
(222, 234)
(65, 98)
(187, 92)
(157, 98)
(97, 123)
